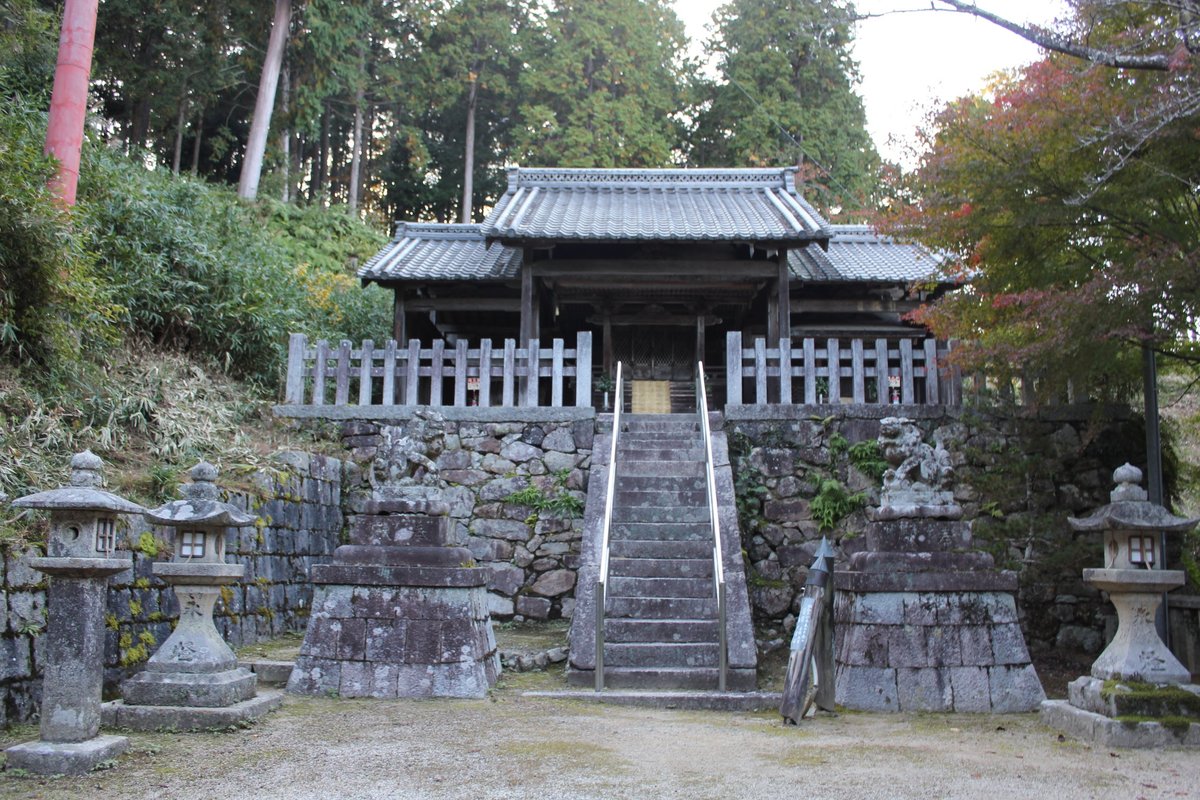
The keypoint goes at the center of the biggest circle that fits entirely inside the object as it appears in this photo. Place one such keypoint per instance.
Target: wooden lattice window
(106, 535)
(1141, 550)
(191, 544)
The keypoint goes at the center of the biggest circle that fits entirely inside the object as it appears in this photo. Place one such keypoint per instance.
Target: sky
(911, 63)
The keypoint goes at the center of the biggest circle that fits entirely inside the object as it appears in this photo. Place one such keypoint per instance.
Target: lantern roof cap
(83, 493)
(1130, 510)
(201, 504)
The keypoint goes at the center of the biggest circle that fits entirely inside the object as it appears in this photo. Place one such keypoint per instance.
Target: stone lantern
(1131, 526)
(1138, 693)
(193, 680)
(81, 554)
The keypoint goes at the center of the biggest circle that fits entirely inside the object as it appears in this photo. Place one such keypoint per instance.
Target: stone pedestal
(924, 626)
(399, 613)
(73, 670)
(81, 556)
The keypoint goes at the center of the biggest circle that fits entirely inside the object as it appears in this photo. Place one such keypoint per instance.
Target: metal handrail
(609, 493)
(718, 568)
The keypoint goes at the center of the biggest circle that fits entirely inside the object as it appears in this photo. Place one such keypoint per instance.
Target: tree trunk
(469, 154)
(285, 137)
(180, 121)
(356, 150)
(196, 142)
(68, 103)
(141, 124)
(256, 146)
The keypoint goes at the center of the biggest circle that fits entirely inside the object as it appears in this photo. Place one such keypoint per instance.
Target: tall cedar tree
(603, 87)
(785, 95)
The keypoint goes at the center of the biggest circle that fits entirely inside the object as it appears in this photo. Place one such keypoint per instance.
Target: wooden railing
(814, 370)
(437, 375)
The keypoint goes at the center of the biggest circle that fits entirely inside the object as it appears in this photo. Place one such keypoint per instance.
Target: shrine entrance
(660, 362)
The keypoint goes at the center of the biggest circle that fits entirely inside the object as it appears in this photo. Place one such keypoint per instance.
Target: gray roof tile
(858, 253)
(752, 205)
(441, 252)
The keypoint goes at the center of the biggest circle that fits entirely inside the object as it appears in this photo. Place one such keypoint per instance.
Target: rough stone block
(533, 607)
(881, 608)
(74, 758)
(943, 646)
(505, 578)
(906, 646)
(1008, 645)
(976, 646)
(866, 688)
(499, 606)
(864, 645)
(512, 530)
(1015, 689)
(924, 690)
(972, 689)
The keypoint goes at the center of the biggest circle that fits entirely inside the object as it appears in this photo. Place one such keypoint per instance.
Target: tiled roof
(857, 253)
(437, 252)
(626, 205)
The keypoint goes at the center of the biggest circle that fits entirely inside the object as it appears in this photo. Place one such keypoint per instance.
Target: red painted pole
(68, 103)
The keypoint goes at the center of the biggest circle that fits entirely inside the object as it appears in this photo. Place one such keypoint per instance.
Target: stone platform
(924, 624)
(119, 714)
(65, 758)
(399, 613)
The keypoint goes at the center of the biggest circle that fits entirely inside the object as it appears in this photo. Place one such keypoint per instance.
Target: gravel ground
(510, 746)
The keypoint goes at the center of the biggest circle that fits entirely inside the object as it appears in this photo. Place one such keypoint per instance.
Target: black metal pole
(1154, 476)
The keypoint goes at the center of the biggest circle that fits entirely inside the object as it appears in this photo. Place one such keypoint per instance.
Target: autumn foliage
(1067, 198)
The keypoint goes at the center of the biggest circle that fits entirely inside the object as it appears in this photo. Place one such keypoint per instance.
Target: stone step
(661, 678)
(633, 498)
(660, 548)
(665, 513)
(660, 531)
(665, 469)
(646, 451)
(660, 630)
(623, 586)
(657, 654)
(661, 608)
(660, 567)
(680, 422)
(692, 700)
(644, 483)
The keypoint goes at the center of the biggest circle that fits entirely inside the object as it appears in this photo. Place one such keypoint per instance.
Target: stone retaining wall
(1018, 476)
(300, 522)
(515, 480)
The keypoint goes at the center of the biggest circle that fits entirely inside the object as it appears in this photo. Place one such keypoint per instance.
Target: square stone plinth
(188, 718)
(65, 758)
(1089, 726)
(188, 689)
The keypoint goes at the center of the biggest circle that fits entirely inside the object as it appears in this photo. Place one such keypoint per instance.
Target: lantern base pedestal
(204, 690)
(1088, 726)
(65, 758)
(186, 718)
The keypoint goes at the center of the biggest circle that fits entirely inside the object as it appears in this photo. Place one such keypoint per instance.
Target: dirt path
(510, 746)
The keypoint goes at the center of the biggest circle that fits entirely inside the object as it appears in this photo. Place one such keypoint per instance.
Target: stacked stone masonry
(1019, 475)
(487, 471)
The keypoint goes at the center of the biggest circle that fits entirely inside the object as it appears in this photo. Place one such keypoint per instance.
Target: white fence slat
(932, 378)
(437, 363)
(413, 373)
(556, 374)
(785, 371)
(833, 358)
(294, 389)
(510, 372)
(583, 369)
(389, 373)
(485, 373)
(733, 368)
(319, 368)
(810, 371)
(366, 362)
(760, 371)
(460, 373)
(858, 371)
(907, 395)
(533, 354)
(341, 395)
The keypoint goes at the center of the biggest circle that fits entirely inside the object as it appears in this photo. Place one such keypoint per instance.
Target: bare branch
(1059, 44)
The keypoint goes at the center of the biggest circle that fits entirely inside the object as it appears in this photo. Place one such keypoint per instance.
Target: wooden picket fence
(814, 370)
(436, 375)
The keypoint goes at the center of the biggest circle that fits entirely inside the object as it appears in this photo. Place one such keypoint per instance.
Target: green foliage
(28, 34)
(606, 87)
(1067, 196)
(834, 502)
(557, 502)
(148, 545)
(868, 459)
(785, 95)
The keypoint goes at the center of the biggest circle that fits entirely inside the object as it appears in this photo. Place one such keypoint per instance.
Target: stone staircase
(661, 621)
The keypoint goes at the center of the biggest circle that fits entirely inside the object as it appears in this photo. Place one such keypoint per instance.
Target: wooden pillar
(699, 337)
(607, 344)
(529, 306)
(783, 299)
(399, 318)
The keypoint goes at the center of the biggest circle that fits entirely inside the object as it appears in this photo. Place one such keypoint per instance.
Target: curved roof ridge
(687, 177)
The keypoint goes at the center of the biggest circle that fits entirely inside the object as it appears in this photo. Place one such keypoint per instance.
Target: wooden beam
(569, 268)
(843, 305)
(399, 317)
(465, 304)
(608, 344)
